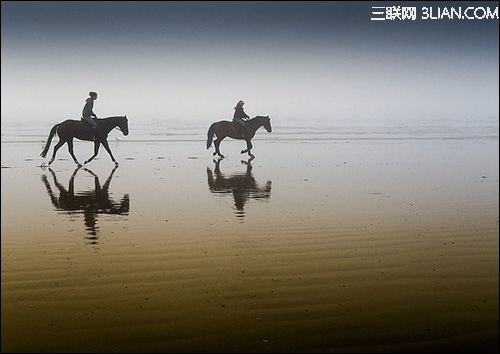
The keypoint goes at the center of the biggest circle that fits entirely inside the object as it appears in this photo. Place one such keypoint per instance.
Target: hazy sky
(291, 60)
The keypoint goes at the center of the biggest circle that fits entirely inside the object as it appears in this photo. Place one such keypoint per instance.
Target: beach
(327, 241)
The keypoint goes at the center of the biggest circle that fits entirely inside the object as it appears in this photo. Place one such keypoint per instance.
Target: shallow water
(373, 239)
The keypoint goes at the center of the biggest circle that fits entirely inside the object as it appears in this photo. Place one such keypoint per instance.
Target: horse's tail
(49, 140)
(210, 135)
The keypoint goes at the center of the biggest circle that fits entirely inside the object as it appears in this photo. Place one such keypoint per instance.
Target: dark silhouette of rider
(240, 116)
(88, 112)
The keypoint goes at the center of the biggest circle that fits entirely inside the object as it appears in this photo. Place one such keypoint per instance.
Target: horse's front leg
(248, 149)
(96, 150)
(70, 149)
(106, 146)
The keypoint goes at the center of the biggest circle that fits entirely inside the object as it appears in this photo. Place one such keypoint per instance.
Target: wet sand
(323, 245)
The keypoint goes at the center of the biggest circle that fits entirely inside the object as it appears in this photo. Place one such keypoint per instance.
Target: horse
(224, 128)
(242, 186)
(70, 128)
(89, 203)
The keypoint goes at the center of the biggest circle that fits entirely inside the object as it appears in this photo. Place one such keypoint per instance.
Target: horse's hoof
(215, 153)
(243, 151)
(252, 157)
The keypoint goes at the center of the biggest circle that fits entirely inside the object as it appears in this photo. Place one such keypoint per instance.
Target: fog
(192, 61)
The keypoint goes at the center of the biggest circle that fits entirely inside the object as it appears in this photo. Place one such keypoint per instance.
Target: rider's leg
(93, 125)
(242, 127)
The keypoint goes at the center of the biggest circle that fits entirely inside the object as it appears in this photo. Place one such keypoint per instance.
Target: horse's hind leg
(96, 150)
(217, 147)
(56, 147)
(70, 149)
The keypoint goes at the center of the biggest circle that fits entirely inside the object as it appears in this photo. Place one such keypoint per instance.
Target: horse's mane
(114, 117)
(259, 117)
(249, 120)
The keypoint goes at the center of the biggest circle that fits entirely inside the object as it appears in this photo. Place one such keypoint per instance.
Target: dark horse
(226, 128)
(90, 203)
(242, 186)
(79, 129)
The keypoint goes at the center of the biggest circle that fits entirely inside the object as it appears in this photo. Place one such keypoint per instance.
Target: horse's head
(267, 123)
(123, 125)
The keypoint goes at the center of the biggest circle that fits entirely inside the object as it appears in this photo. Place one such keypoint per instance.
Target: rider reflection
(90, 203)
(241, 185)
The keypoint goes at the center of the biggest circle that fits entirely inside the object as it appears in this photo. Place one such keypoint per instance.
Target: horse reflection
(90, 203)
(241, 185)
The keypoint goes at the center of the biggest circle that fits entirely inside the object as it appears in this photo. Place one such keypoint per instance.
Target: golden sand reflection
(374, 247)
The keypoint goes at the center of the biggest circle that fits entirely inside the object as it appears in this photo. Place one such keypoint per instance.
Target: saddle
(239, 128)
(85, 125)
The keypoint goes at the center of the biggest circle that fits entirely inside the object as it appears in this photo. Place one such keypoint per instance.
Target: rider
(88, 112)
(240, 116)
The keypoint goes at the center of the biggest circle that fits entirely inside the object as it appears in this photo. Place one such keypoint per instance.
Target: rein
(116, 126)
